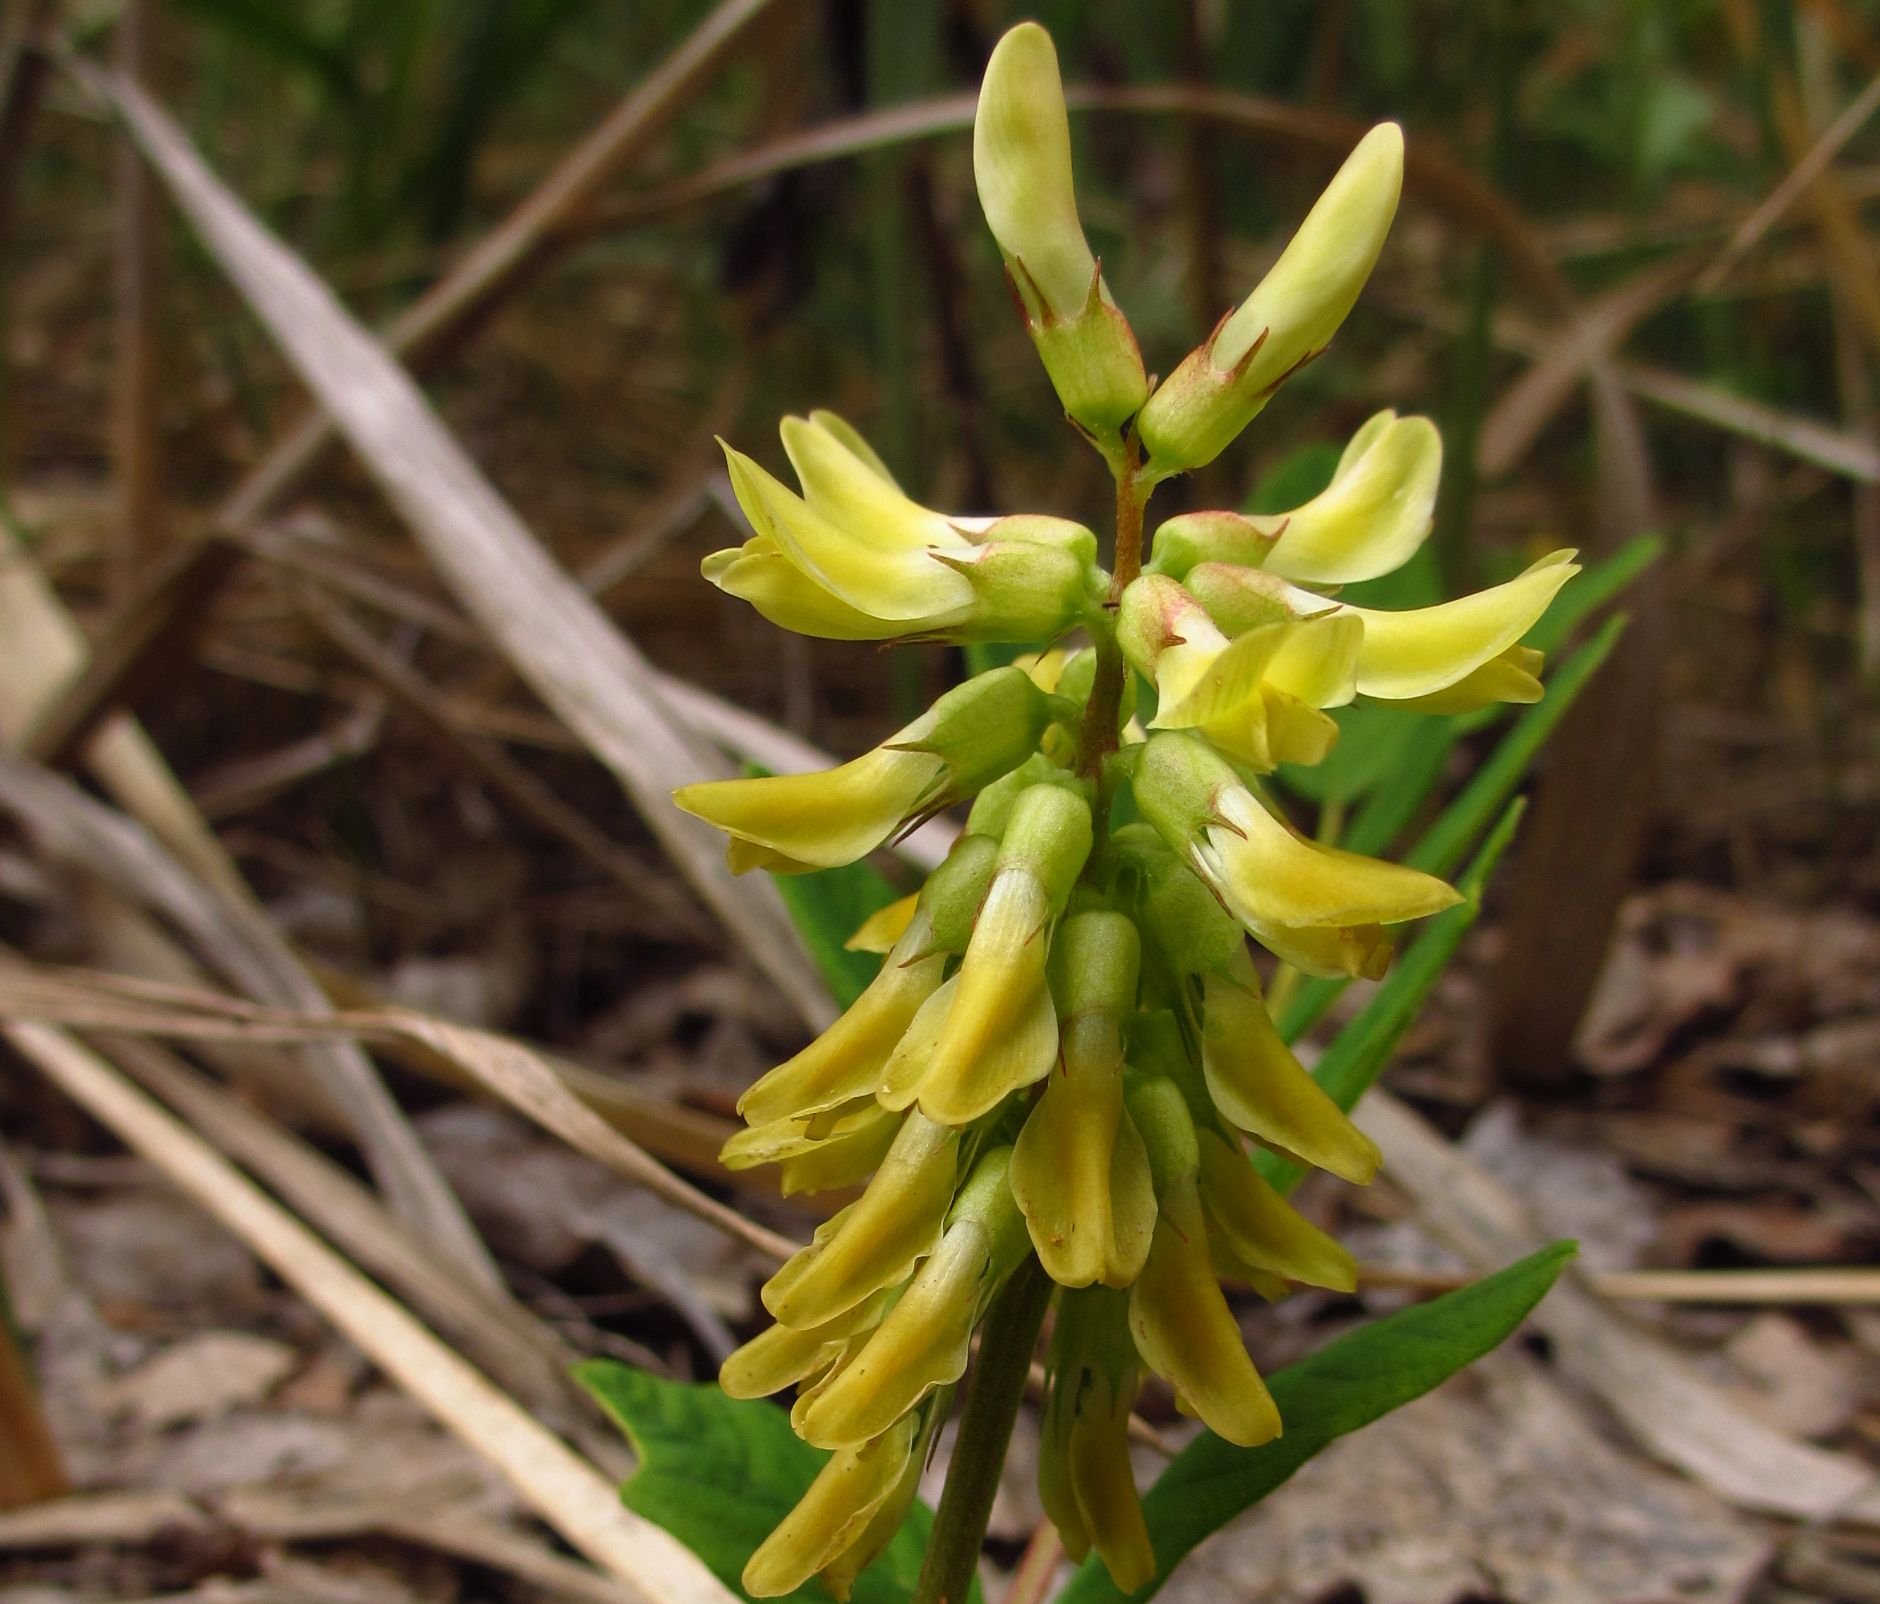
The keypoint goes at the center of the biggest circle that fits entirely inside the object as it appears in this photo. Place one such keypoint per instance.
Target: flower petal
(846, 1060)
(824, 819)
(1001, 1031)
(1514, 676)
(873, 570)
(877, 1240)
(1022, 164)
(1428, 649)
(1261, 1088)
(1266, 874)
(1261, 1228)
(921, 1344)
(1374, 514)
(834, 1514)
(856, 493)
(1186, 1333)
(1081, 1175)
(787, 597)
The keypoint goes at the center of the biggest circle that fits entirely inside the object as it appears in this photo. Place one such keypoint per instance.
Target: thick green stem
(992, 1396)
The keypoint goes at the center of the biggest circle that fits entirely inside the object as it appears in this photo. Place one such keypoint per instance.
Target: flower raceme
(1067, 1054)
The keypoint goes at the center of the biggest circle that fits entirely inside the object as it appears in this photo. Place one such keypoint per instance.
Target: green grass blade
(1447, 841)
(1353, 1062)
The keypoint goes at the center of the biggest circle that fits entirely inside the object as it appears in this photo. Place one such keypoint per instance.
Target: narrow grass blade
(1353, 1062)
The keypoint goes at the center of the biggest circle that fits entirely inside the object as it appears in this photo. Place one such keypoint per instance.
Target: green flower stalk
(1067, 1053)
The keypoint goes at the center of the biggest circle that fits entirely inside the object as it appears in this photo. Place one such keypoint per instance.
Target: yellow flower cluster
(1066, 1051)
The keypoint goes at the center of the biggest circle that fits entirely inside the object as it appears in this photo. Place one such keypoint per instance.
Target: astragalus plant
(1048, 1093)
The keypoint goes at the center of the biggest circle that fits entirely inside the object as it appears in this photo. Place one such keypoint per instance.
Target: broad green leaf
(719, 1473)
(827, 907)
(1352, 1382)
(1353, 1062)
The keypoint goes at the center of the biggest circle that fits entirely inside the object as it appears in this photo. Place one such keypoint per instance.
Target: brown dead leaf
(200, 1378)
(1494, 1487)
(1770, 1233)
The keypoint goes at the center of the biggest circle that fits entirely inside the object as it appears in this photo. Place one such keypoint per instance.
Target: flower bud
(923, 1340)
(1079, 1170)
(1022, 162)
(1179, 1318)
(1032, 577)
(992, 1028)
(1085, 1481)
(879, 1238)
(1220, 386)
(1261, 1088)
(836, 1512)
(793, 822)
(1259, 1229)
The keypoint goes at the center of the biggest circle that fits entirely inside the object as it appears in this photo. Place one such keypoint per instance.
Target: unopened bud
(1221, 385)
(1022, 162)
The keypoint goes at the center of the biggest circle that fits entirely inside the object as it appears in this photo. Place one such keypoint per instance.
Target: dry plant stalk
(563, 1488)
(560, 642)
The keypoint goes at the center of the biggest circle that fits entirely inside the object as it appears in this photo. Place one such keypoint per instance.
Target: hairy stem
(1104, 710)
(992, 1395)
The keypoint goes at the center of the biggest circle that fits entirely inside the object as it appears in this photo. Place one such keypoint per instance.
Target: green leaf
(1353, 1062)
(272, 28)
(1295, 479)
(719, 1473)
(1350, 1383)
(827, 907)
